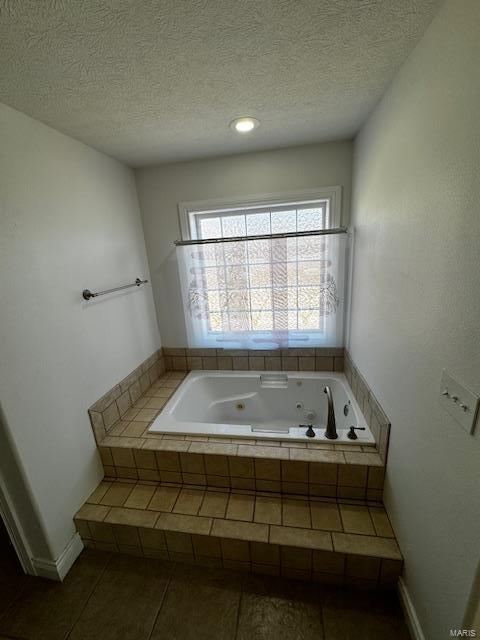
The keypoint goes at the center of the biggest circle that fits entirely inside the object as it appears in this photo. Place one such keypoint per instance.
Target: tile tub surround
(305, 538)
(319, 469)
(117, 402)
(292, 359)
(374, 414)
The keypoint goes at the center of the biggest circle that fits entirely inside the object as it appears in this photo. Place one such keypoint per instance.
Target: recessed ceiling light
(245, 124)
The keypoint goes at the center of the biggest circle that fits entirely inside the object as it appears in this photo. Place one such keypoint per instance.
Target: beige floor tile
(352, 475)
(130, 414)
(156, 403)
(259, 451)
(294, 471)
(188, 501)
(240, 507)
(317, 455)
(363, 567)
(329, 562)
(241, 467)
(381, 522)
(119, 427)
(214, 448)
(239, 530)
(99, 492)
(145, 459)
(356, 519)
(298, 537)
(132, 517)
(215, 465)
(123, 457)
(235, 550)
(92, 512)
(267, 469)
(206, 546)
(268, 510)
(184, 523)
(296, 513)
(325, 515)
(321, 473)
(265, 553)
(134, 429)
(192, 463)
(296, 558)
(366, 545)
(370, 459)
(117, 494)
(146, 415)
(214, 504)
(164, 392)
(152, 539)
(140, 496)
(164, 498)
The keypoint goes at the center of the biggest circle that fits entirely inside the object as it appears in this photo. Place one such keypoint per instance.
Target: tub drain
(240, 406)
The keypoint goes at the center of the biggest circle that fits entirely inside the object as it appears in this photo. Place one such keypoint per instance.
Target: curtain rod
(266, 236)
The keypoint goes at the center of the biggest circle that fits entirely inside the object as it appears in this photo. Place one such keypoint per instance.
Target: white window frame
(187, 210)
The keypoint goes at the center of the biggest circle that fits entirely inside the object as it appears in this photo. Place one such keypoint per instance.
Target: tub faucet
(331, 432)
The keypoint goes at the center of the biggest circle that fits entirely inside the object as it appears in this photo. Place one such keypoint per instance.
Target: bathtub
(261, 406)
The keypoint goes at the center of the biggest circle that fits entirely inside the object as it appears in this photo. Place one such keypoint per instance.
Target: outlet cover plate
(465, 408)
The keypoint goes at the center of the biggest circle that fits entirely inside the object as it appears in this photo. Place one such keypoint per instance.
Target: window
(265, 293)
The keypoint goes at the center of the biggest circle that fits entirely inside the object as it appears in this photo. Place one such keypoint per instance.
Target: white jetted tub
(262, 405)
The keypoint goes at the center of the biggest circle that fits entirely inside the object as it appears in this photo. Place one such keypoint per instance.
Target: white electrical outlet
(459, 401)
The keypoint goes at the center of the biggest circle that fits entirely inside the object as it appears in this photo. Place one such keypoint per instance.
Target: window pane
(259, 250)
(210, 228)
(309, 272)
(284, 221)
(233, 226)
(236, 277)
(308, 297)
(238, 301)
(215, 321)
(260, 275)
(261, 299)
(310, 219)
(258, 224)
(308, 319)
(262, 320)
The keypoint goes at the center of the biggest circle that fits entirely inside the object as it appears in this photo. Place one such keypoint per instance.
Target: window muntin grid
(264, 285)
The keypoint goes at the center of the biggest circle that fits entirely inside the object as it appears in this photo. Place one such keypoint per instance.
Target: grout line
(94, 587)
(240, 599)
(167, 586)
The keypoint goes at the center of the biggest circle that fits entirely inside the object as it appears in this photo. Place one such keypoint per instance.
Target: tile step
(328, 541)
(312, 472)
(129, 450)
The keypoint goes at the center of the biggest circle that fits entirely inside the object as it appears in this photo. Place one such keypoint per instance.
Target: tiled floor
(116, 597)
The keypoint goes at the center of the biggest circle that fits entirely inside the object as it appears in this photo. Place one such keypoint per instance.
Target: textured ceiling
(157, 80)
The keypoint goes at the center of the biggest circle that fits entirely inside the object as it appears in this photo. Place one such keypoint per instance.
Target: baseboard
(411, 617)
(58, 569)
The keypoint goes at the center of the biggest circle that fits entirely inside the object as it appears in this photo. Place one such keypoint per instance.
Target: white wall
(416, 303)
(161, 188)
(69, 219)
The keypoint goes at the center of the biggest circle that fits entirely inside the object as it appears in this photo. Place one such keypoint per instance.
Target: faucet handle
(310, 433)
(352, 435)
